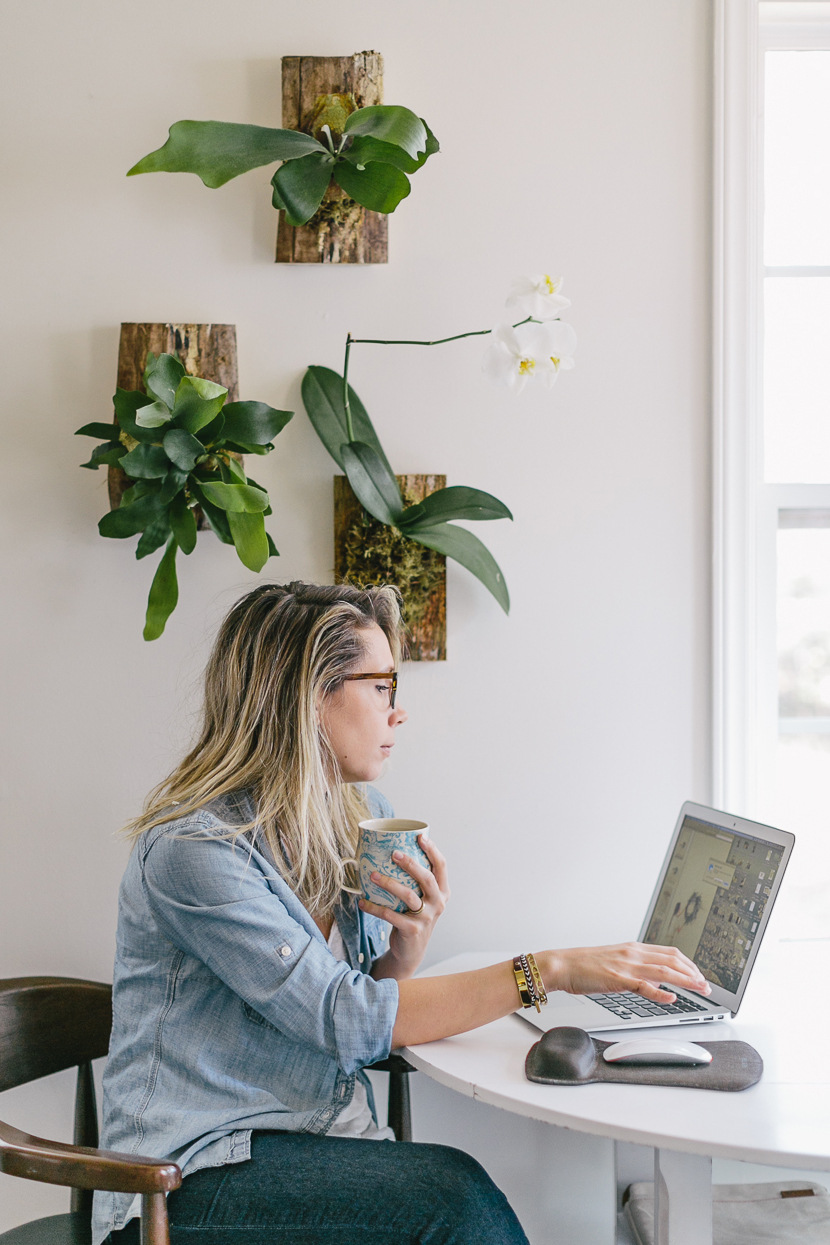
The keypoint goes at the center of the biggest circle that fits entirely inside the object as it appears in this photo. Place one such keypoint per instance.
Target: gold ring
(417, 911)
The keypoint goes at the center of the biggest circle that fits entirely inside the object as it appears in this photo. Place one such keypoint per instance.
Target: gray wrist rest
(569, 1056)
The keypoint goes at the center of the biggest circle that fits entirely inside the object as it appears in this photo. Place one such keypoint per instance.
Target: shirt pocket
(256, 1017)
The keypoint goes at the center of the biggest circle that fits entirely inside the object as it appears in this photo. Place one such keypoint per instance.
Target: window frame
(746, 507)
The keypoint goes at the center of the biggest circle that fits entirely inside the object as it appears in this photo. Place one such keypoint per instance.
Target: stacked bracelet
(529, 981)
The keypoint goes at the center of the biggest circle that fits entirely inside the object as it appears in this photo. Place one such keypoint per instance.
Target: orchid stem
(398, 341)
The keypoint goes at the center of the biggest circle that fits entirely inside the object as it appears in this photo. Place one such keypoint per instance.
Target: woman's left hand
(411, 930)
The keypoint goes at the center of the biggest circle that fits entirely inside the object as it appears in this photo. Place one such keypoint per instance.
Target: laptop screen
(715, 890)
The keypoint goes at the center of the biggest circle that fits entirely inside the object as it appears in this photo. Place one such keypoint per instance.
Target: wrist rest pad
(570, 1056)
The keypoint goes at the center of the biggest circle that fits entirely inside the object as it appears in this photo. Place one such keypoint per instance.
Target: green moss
(377, 554)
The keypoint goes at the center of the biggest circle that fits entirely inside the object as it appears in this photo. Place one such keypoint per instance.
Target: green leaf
(391, 124)
(162, 376)
(379, 187)
(146, 462)
(183, 523)
(464, 547)
(153, 536)
(322, 391)
(156, 415)
(107, 455)
(127, 402)
(239, 498)
(198, 402)
(172, 484)
(103, 432)
(240, 447)
(273, 551)
(164, 594)
(253, 423)
(134, 517)
(234, 473)
(214, 431)
(364, 149)
(301, 184)
(216, 151)
(373, 484)
(248, 532)
(182, 448)
(217, 518)
(456, 502)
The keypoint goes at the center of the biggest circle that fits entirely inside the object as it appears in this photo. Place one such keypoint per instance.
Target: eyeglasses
(389, 679)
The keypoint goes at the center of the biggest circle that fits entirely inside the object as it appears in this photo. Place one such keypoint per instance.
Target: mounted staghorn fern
(370, 153)
(180, 445)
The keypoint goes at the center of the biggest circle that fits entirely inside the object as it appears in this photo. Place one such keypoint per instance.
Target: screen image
(713, 898)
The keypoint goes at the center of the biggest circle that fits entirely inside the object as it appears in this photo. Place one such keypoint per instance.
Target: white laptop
(713, 900)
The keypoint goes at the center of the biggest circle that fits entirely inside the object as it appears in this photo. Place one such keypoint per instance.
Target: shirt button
(285, 951)
(360, 958)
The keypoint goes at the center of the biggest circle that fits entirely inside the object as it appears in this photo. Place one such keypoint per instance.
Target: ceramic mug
(379, 838)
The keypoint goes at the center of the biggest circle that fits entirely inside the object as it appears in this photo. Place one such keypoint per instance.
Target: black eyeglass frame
(387, 675)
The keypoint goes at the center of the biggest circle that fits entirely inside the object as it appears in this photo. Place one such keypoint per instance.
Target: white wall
(575, 140)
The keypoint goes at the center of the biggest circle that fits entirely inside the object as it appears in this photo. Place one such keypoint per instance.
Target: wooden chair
(51, 1023)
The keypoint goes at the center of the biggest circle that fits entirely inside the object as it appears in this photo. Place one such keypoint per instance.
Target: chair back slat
(51, 1023)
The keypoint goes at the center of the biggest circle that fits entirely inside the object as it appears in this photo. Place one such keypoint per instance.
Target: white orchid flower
(538, 296)
(529, 351)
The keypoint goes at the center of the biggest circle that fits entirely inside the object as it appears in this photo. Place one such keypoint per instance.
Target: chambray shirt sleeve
(213, 900)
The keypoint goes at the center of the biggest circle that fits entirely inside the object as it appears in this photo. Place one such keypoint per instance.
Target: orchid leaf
(198, 402)
(182, 448)
(103, 432)
(373, 484)
(127, 403)
(183, 523)
(164, 594)
(273, 551)
(379, 187)
(217, 151)
(253, 423)
(391, 124)
(248, 532)
(464, 547)
(239, 498)
(301, 184)
(456, 502)
(162, 376)
(146, 462)
(322, 391)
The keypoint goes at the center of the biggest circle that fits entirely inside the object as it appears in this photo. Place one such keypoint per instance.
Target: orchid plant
(536, 347)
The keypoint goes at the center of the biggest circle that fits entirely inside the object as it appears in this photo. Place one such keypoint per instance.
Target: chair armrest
(81, 1167)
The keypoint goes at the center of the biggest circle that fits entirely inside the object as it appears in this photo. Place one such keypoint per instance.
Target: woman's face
(357, 718)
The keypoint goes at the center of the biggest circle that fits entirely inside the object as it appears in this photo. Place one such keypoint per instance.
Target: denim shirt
(229, 1011)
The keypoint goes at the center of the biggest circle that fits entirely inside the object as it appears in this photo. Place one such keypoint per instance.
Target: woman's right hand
(636, 966)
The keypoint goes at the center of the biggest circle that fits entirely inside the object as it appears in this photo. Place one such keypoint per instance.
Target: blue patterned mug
(379, 838)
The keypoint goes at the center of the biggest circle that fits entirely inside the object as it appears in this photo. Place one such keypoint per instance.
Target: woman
(251, 987)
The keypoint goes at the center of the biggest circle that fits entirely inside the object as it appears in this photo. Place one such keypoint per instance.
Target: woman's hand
(411, 930)
(640, 967)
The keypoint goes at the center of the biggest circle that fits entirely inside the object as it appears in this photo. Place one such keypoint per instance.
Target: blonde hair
(281, 651)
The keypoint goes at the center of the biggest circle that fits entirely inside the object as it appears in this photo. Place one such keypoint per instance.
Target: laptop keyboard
(627, 1004)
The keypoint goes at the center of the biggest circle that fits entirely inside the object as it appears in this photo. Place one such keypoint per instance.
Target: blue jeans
(299, 1189)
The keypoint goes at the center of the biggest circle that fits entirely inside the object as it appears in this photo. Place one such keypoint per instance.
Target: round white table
(783, 1121)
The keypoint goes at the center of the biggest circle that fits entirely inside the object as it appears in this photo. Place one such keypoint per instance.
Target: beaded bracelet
(529, 982)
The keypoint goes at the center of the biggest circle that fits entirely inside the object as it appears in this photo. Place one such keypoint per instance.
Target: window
(772, 416)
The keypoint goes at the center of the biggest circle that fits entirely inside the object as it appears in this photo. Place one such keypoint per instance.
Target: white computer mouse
(657, 1050)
